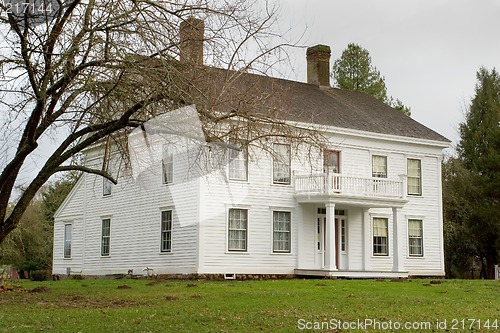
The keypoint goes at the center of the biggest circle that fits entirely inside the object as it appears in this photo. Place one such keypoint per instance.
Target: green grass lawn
(247, 306)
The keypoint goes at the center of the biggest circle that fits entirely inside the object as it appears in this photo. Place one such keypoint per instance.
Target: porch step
(350, 274)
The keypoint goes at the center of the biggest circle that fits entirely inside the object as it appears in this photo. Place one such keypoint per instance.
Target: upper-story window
(107, 185)
(331, 161)
(167, 164)
(281, 164)
(379, 166)
(238, 164)
(414, 177)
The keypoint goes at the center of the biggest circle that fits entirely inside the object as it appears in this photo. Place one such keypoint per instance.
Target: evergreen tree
(354, 71)
(479, 151)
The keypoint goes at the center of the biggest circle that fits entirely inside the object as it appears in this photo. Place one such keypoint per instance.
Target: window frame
(107, 185)
(282, 167)
(419, 177)
(421, 238)
(166, 234)
(287, 242)
(106, 237)
(380, 244)
(66, 241)
(231, 230)
(343, 235)
(380, 174)
(327, 165)
(242, 156)
(167, 164)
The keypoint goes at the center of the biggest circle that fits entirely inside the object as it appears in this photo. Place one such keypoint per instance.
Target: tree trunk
(490, 263)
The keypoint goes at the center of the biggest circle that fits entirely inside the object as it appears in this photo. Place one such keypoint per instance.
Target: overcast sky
(427, 50)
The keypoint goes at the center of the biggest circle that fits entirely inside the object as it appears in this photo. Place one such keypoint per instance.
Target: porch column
(397, 252)
(366, 240)
(330, 233)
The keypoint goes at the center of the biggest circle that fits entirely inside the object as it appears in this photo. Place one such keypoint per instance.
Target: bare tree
(92, 70)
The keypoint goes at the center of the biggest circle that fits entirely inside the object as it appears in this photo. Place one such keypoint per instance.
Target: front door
(341, 254)
(341, 240)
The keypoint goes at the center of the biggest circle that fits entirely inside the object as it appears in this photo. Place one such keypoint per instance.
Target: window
(106, 235)
(167, 164)
(414, 177)
(107, 185)
(67, 240)
(415, 238)
(238, 164)
(237, 230)
(380, 237)
(281, 231)
(166, 231)
(343, 235)
(379, 166)
(281, 164)
(331, 161)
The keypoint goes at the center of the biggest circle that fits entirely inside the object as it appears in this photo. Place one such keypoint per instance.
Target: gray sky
(427, 50)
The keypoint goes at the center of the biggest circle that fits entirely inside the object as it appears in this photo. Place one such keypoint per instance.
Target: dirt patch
(40, 289)
(171, 298)
(191, 285)
(154, 282)
(124, 287)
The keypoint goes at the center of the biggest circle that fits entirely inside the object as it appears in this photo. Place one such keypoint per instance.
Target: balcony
(333, 187)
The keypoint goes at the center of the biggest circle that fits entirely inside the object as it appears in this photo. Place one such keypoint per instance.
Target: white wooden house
(368, 206)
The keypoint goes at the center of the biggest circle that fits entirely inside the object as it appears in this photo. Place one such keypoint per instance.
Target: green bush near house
(127, 305)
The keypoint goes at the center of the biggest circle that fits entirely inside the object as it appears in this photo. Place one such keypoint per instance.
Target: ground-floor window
(106, 237)
(166, 231)
(380, 236)
(281, 231)
(415, 238)
(237, 230)
(67, 240)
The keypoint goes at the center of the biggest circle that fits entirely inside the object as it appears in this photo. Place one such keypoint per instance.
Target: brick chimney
(191, 40)
(318, 65)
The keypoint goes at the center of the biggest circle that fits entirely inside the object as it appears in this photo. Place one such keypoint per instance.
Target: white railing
(334, 183)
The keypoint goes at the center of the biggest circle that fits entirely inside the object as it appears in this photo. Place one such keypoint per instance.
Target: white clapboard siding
(202, 195)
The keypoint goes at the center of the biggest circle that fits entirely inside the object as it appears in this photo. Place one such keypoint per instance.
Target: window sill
(381, 257)
(281, 184)
(238, 181)
(107, 195)
(237, 252)
(164, 253)
(104, 257)
(67, 258)
(281, 253)
(414, 257)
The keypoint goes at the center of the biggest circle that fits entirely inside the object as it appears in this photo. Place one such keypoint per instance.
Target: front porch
(338, 237)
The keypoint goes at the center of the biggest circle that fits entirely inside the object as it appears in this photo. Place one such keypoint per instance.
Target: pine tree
(479, 150)
(354, 71)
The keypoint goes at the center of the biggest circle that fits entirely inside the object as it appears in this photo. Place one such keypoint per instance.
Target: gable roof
(307, 103)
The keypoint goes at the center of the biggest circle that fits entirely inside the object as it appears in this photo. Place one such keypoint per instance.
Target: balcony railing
(338, 184)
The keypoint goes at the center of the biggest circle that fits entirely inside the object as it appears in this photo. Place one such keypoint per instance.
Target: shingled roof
(308, 103)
